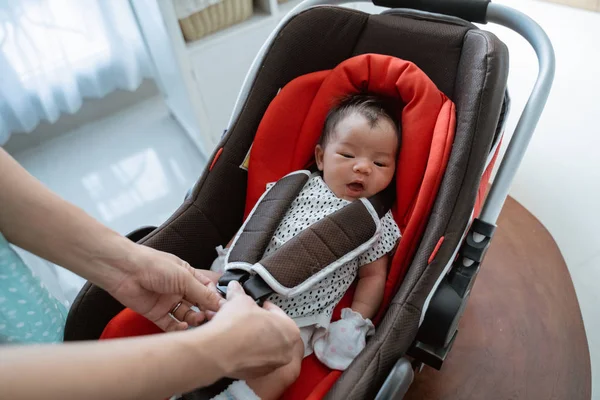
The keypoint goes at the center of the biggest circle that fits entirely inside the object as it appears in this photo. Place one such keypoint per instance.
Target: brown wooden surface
(521, 336)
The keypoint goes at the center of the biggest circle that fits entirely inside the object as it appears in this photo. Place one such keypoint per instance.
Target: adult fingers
(274, 309)
(209, 314)
(199, 293)
(202, 276)
(206, 276)
(186, 313)
(168, 324)
(213, 288)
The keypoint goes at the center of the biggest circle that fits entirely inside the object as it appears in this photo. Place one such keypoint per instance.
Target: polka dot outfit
(314, 202)
(28, 312)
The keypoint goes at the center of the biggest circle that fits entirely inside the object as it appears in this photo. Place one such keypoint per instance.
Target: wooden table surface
(522, 336)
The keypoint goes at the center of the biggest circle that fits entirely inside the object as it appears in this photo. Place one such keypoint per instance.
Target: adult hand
(153, 282)
(259, 340)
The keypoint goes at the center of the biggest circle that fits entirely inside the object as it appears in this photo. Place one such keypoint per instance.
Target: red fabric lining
(440, 152)
(285, 142)
(483, 186)
(435, 250)
(129, 323)
(212, 164)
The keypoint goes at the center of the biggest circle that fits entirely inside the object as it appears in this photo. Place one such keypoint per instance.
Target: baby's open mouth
(356, 186)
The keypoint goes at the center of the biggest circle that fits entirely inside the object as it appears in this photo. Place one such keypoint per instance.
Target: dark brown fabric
(265, 219)
(433, 45)
(91, 311)
(480, 86)
(320, 245)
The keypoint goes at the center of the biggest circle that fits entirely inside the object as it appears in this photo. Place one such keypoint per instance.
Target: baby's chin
(341, 194)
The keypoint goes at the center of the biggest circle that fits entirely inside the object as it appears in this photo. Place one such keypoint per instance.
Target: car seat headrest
(291, 127)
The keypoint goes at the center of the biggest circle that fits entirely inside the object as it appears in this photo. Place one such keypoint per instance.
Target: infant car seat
(441, 178)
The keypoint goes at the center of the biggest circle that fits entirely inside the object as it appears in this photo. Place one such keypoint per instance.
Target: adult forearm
(153, 367)
(34, 218)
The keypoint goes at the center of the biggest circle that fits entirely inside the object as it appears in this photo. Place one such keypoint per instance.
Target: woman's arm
(242, 341)
(151, 367)
(148, 281)
(36, 219)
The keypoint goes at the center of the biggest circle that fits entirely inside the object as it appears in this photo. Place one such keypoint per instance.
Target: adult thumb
(234, 289)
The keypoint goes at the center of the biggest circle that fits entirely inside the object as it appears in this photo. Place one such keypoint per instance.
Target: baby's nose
(362, 167)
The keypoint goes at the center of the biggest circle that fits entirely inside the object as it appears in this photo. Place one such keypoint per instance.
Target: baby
(356, 156)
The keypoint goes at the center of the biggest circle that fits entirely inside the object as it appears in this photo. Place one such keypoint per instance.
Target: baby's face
(358, 160)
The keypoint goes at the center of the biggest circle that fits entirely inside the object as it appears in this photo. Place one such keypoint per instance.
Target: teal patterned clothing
(28, 312)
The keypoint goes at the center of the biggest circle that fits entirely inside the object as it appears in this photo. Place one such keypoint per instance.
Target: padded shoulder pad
(251, 242)
(320, 249)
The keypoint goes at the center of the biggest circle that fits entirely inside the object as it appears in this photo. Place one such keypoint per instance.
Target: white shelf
(257, 19)
(284, 8)
(196, 88)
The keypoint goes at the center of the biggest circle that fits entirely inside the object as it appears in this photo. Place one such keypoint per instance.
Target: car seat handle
(470, 10)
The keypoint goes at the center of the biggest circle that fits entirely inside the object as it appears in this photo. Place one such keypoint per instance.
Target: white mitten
(345, 338)
(219, 264)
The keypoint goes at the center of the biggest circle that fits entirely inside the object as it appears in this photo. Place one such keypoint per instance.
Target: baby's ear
(319, 152)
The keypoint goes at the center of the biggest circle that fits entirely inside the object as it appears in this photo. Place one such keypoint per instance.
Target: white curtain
(54, 53)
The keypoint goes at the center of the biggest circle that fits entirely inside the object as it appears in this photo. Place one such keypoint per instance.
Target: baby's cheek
(383, 181)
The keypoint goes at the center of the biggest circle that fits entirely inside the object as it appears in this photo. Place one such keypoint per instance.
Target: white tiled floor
(129, 170)
(134, 168)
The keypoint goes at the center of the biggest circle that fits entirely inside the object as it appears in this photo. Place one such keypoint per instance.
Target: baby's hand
(343, 341)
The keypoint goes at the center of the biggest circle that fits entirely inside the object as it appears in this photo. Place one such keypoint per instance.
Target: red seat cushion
(128, 323)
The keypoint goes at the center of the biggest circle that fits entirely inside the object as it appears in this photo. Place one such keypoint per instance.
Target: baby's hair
(372, 107)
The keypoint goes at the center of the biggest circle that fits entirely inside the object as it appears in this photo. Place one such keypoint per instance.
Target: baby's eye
(346, 155)
(379, 164)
